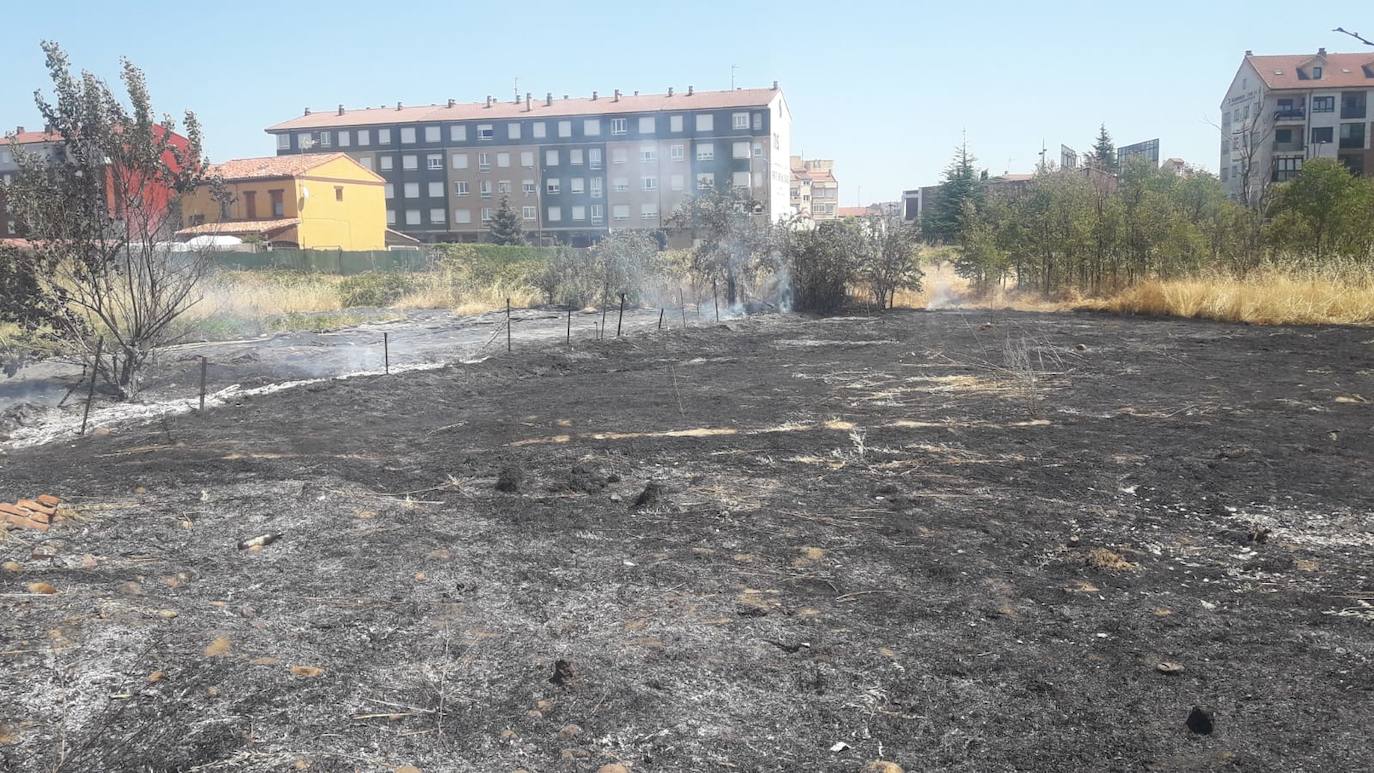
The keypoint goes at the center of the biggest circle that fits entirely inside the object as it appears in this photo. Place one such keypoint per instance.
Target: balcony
(1292, 146)
(1287, 113)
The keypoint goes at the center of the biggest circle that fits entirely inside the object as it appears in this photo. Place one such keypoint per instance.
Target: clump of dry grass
(256, 294)
(1108, 561)
(1273, 297)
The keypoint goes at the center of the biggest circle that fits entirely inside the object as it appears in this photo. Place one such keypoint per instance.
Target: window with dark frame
(1323, 104)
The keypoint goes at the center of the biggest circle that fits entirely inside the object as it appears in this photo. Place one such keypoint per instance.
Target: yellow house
(318, 201)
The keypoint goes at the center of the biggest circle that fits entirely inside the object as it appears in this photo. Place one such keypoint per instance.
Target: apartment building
(1281, 111)
(814, 191)
(574, 169)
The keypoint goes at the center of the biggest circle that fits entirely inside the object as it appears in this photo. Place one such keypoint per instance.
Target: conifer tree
(505, 225)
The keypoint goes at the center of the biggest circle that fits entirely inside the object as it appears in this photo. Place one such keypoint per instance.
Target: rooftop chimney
(398, 104)
(307, 111)
(670, 91)
(1248, 52)
(775, 85)
(20, 129)
(593, 96)
(689, 91)
(617, 96)
(527, 101)
(451, 103)
(1321, 52)
(565, 96)
(488, 100)
(636, 92)
(341, 108)
(548, 99)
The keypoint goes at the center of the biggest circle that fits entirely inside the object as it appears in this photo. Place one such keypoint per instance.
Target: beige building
(815, 193)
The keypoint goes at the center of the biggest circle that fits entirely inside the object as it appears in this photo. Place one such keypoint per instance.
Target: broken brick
(48, 499)
(24, 522)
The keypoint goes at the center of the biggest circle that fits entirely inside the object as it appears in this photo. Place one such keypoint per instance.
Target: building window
(432, 135)
(550, 158)
(390, 191)
(366, 162)
(739, 121)
(648, 211)
(325, 140)
(1283, 136)
(283, 142)
(503, 160)
(364, 137)
(503, 186)
(461, 187)
(383, 136)
(598, 213)
(434, 161)
(527, 213)
(1323, 135)
(412, 217)
(1352, 136)
(555, 214)
(576, 185)
(1317, 73)
(484, 189)
(619, 126)
(1286, 169)
(618, 155)
(677, 152)
(486, 214)
(676, 182)
(741, 179)
(410, 161)
(278, 199)
(552, 185)
(412, 190)
(407, 135)
(513, 131)
(758, 122)
(706, 122)
(538, 130)
(436, 216)
(460, 161)
(485, 131)
(596, 187)
(648, 154)
(304, 141)
(739, 150)
(575, 156)
(1323, 104)
(579, 212)
(462, 216)
(650, 183)
(675, 123)
(706, 152)
(391, 217)
(706, 181)
(436, 189)
(458, 133)
(620, 212)
(647, 124)
(345, 138)
(758, 150)
(620, 184)
(592, 127)
(484, 162)
(527, 159)
(527, 187)
(594, 158)
(565, 128)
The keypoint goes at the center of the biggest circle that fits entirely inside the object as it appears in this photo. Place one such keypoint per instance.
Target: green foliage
(888, 250)
(1325, 210)
(375, 289)
(960, 188)
(1104, 151)
(505, 226)
(731, 240)
(822, 261)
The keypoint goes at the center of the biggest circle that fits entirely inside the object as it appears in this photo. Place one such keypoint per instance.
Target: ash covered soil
(866, 538)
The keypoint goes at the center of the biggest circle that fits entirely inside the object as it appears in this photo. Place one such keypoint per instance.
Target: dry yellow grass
(1269, 298)
(260, 294)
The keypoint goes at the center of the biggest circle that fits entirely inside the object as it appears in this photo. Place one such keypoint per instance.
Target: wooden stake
(95, 373)
(203, 362)
(715, 298)
(386, 354)
(682, 301)
(602, 334)
(621, 316)
(569, 336)
(660, 318)
(508, 325)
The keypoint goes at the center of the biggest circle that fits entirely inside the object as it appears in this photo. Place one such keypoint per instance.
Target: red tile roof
(1338, 70)
(234, 228)
(646, 103)
(29, 138)
(270, 167)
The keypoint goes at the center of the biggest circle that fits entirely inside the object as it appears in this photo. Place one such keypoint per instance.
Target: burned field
(958, 541)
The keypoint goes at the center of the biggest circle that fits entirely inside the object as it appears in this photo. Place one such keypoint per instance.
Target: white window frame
(598, 213)
(579, 213)
(648, 154)
(411, 191)
(410, 161)
(555, 214)
(462, 216)
(458, 132)
(389, 191)
(620, 184)
(459, 161)
(648, 211)
(434, 134)
(565, 128)
(438, 215)
(487, 215)
(539, 130)
(677, 152)
(553, 186)
(407, 135)
(618, 209)
(383, 136)
(386, 163)
(706, 151)
(434, 161)
(436, 189)
(503, 160)
(551, 157)
(462, 188)
(283, 141)
(575, 156)
(527, 159)
(739, 149)
(594, 158)
(326, 139)
(739, 122)
(705, 122)
(486, 132)
(484, 161)
(513, 130)
(591, 127)
(364, 137)
(598, 188)
(529, 212)
(345, 138)
(484, 189)
(649, 183)
(528, 187)
(577, 185)
(648, 124)
(619, 126)
(412, 217)
(675, 123)
(391, 217)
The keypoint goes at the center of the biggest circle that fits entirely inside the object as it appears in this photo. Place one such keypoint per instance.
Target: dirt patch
(867, 555)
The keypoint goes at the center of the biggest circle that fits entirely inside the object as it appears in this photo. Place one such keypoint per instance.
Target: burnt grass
(865, 531)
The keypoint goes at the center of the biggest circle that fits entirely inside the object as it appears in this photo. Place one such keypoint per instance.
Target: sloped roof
(234, 228)
(269, 167)
(473, 111)
(1293, 71)
(29, 138)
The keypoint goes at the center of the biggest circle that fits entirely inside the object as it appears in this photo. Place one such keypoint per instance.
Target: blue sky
(883, 88)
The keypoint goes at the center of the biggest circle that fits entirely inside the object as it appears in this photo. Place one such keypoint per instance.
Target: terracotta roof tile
(29, 138)
(1339, 70)
(646, 103)
(271, 166)
(234, 228)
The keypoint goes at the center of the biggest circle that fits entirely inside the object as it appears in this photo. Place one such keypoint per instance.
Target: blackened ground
(958, 541)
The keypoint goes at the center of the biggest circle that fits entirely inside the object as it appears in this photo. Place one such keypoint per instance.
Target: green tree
(1324, 210)
(1104, 150)
(101, 217)
(944, 220)
(731, 240)
(888, 257)
(505, 224)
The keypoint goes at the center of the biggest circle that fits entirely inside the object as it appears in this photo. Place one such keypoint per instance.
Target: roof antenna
(733, 67)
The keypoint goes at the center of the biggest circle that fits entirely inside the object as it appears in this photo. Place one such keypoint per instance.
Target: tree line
(1098, 228)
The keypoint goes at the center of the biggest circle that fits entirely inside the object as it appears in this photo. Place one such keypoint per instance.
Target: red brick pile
(37, 513)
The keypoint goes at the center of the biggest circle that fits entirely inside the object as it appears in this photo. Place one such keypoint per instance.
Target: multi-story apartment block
(574, 169)
(33, 142)
(1281, 111)
(814, 192)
